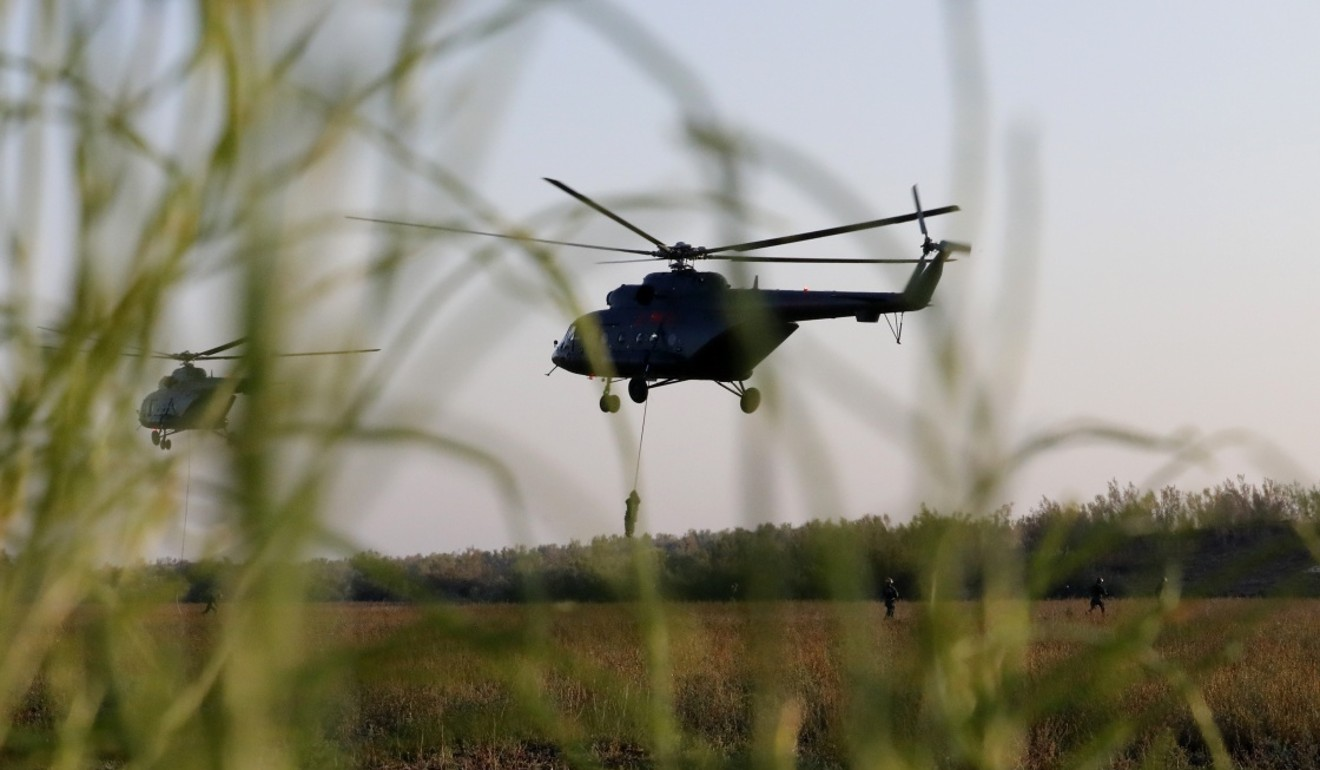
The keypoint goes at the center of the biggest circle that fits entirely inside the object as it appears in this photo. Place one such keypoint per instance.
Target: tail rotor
(929, 246)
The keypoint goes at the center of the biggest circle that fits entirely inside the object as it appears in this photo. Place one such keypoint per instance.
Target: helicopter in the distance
(691, 325)
(191, 399)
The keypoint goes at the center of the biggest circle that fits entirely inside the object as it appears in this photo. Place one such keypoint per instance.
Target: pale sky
(1173, 155)
(1138, 181)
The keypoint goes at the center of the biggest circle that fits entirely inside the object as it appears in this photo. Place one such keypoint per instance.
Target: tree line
(1234, 539)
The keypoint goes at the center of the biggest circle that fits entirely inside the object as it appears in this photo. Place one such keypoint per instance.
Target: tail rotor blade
(921, 218)
(927, 246)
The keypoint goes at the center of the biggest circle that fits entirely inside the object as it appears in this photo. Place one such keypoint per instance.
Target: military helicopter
(687, 324)
(190, 399)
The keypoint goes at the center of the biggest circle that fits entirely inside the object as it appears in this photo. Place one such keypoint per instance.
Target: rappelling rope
(637, 472)
(183, 535)
(187, 493)
(634, 501)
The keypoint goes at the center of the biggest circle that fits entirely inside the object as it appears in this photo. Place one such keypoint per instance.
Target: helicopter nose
(566, 356)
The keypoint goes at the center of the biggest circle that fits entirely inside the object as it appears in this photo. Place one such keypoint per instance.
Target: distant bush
(1234, 539)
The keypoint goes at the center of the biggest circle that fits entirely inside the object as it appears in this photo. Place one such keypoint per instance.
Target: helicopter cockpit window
(167, 381)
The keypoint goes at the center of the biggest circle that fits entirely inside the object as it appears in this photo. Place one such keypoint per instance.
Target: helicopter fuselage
(188, 399)
(691, 325)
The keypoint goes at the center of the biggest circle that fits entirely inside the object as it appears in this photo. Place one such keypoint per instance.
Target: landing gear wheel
(155, 438)
(750, 400)
(609, 403)
(165, 443)
(637, 390)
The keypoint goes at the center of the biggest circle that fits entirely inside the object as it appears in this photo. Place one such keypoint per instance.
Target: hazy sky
(1139, 182)
(1156, 169)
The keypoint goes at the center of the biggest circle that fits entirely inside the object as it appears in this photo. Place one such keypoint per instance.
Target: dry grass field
(1200, 683)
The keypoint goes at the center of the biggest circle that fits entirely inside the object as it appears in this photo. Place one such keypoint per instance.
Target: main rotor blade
(506, 236)
(188, 355)
(806, 260)
(831, 231)
(219, 348)
(815, 260)
(607, 213)
(289, 355)
(329, 352)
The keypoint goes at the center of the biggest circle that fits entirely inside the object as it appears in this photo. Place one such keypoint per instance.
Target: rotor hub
(681, 255)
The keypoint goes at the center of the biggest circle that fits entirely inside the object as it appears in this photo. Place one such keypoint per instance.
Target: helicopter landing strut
(161, 438)
(609, 403)
(639, 389)
(748, 398)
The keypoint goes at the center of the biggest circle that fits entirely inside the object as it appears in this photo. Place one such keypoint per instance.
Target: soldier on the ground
(890, 595)
(1098, 594)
